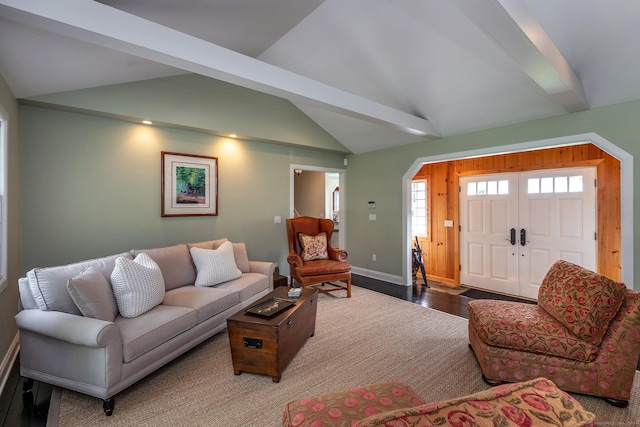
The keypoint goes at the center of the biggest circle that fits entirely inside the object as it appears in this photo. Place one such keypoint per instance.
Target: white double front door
(514, 226)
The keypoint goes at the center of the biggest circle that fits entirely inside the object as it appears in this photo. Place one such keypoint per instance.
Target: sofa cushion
(215, 266)
(241, 257)
(313, 247)
(175, 264)
(92, 293)
(344, 408)
(137, 285)
(151, 329)
(531, 403)
(323, 266)
(248, 285)
(207, 302)
(208, 244)
(49, 285)
(584, 301)
(526, 327)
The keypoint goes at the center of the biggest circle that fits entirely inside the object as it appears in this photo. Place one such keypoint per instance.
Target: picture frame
(189, 185)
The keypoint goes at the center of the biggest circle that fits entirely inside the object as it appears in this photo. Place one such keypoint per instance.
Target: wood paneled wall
(441, 248)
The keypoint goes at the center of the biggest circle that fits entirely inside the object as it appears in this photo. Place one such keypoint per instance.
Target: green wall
(91, 187)
(377, 176)
(9, 297)
(202, 104)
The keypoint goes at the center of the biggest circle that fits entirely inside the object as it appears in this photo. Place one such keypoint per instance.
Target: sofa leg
(618, 403)
(27, 385)
(108, 406)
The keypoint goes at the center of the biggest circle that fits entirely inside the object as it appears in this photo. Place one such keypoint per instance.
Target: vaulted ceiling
(371, 73)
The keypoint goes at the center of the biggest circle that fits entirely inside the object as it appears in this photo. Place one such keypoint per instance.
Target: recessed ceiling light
(147, 122)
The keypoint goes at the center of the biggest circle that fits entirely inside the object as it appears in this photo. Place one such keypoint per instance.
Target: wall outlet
(373, 258)
(372, 217)
(277, 220)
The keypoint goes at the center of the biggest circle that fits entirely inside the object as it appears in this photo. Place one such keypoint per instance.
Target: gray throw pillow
(92, 293)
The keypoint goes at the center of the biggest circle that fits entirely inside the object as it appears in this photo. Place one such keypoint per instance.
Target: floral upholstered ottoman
(348, 407)
(531, 403)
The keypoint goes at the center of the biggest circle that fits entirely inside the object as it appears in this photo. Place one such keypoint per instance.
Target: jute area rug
(368, 338)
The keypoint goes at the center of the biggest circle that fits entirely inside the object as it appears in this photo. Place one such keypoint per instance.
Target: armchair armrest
(294, 259)
(337, 254)
(71, 328)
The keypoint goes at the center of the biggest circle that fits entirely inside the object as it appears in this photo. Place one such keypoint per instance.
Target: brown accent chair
(584, 335)
(324, 266)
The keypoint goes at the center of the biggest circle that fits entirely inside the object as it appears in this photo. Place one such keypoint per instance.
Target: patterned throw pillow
(215, 266)
(313, 247)
(138, 285)
(92, 293)
(583, 301)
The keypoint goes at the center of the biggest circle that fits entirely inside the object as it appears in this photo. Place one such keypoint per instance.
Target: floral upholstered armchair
(312, 260)
(584, 335)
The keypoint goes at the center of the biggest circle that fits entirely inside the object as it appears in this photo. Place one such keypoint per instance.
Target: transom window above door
(558, 184)
(491, 188)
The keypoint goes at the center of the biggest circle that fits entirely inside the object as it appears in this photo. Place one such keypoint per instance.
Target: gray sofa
(73, 335)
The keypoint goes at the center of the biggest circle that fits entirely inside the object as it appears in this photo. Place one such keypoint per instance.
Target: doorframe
(342, 236)
(626, 190)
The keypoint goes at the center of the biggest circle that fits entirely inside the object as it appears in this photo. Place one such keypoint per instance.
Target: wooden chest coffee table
(266, 345)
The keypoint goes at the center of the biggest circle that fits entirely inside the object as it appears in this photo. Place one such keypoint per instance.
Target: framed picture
(189, 185)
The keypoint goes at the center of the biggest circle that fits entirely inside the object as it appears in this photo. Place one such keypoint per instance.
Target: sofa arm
(620, 348)
(69, 327)
(70, 351)
(262, 267)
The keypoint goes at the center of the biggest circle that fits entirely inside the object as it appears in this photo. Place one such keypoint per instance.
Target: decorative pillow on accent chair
(93, 295)
(138, 285)
(215, 266)
(313, 247)
(583, 301)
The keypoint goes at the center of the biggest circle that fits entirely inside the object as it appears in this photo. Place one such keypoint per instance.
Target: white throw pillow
(138, 285)
(215, 266)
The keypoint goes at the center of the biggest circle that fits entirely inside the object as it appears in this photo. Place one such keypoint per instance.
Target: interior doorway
(624, 265)
(319, 192)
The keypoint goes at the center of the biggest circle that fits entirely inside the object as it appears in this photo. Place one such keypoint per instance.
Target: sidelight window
(419, 208)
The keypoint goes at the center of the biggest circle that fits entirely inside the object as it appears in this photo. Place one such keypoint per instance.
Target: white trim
(391, 278)
(626, 190)
(4, 198)
(342, 237)
(8, 361)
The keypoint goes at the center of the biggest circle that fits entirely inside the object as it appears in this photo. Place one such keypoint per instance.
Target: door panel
(487, 257)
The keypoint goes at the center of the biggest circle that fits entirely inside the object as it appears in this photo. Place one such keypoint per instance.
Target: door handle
(523, 237)
(513, 237)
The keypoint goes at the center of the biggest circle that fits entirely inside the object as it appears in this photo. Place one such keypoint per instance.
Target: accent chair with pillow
(584, 335)
(312, 260)
(100, 325)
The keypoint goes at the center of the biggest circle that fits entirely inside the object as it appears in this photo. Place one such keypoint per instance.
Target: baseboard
(396, 280)
(8, 361)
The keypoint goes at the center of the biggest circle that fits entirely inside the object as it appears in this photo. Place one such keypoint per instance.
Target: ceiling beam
(105, 26)
(514, 28)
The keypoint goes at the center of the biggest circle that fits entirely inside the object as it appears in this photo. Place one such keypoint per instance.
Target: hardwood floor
(31, 409)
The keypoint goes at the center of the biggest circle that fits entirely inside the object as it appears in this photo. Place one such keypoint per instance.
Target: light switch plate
(372, 217)
(448, 223)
